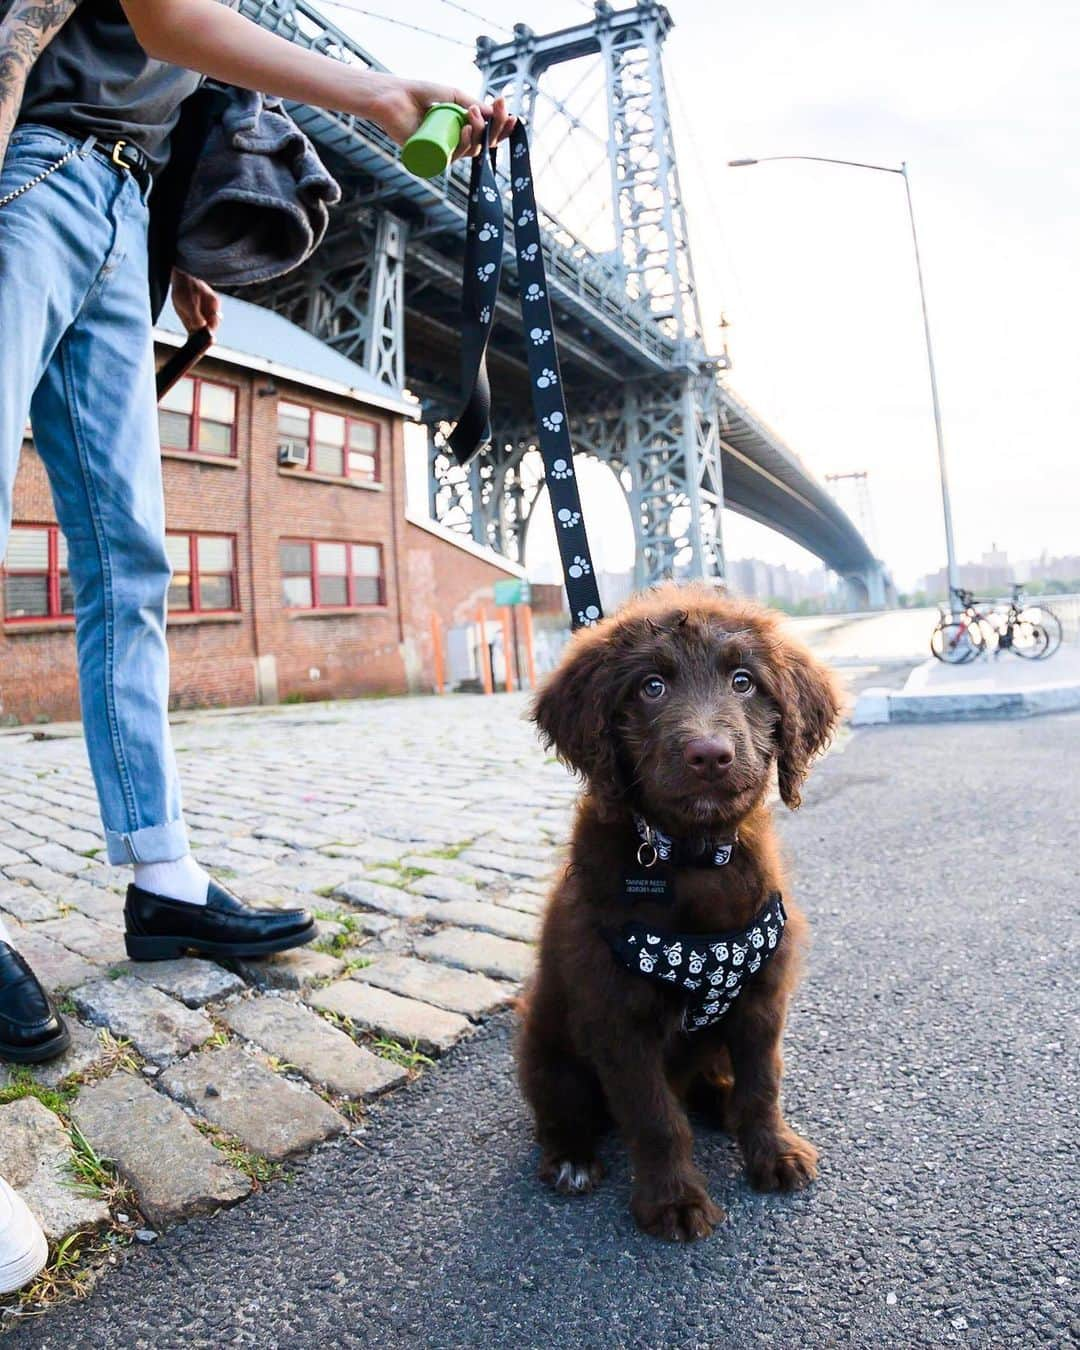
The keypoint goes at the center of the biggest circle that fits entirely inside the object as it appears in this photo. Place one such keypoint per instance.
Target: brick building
(299, 571)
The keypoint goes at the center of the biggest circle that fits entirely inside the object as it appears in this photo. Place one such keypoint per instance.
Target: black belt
(126, 158)
(480, 289)
(123, 156)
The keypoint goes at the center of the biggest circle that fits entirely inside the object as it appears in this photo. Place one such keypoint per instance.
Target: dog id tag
(642, 883)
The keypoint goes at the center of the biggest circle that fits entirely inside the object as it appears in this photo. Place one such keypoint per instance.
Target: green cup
(427, 152)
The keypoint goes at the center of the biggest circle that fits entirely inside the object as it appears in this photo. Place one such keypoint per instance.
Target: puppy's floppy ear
(575, 706)
(810, 702)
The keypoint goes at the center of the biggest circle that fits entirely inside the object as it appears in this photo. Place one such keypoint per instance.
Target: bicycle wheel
(954, 643)
(1029, 640)
(1046, 620)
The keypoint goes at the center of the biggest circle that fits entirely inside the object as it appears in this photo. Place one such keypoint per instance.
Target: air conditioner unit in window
(291, 453)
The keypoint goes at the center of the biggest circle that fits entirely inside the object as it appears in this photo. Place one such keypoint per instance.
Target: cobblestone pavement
(420, 831)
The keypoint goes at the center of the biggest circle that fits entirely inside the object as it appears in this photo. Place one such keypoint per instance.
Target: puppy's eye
(653, 688)
(742, 682)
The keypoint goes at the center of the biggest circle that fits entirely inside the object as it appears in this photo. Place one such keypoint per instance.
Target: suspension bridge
(646, 396)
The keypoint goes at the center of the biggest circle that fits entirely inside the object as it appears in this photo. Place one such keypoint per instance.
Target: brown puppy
(674, 712)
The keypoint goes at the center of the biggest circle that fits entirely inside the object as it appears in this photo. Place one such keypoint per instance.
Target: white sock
(5, 936)
(182, 879)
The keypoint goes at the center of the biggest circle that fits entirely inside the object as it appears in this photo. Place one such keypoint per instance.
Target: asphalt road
(931, 1056)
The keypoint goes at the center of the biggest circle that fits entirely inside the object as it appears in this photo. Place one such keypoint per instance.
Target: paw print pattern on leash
(537, 336)
(579, 568)
(487, 232)
(553, 421)
(527, 217)
(490, 195)
(568, 519)
(586, 618)
(529, 252)
(534, 292)
(561, 469)
(546, 379)
(485, 271)
(485, 314)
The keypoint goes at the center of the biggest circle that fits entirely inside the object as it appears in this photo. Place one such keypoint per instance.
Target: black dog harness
(708, 970)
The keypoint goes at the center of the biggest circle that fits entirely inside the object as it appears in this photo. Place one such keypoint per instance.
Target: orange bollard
(530, 654)
(485, 653)
(509, 655)
(437, 654)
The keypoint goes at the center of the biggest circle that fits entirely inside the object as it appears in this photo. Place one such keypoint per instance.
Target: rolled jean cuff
(153, 843)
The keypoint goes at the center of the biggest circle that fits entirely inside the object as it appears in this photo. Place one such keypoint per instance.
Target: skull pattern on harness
(710, 970)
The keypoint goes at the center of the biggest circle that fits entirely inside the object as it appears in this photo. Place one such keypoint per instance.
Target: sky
(813, 264)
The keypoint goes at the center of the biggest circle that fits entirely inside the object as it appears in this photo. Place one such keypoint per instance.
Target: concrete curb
(878, 706)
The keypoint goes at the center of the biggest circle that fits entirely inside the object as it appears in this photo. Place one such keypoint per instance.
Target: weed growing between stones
(261, 1170)
(23, 1084)
(351, 935)
(409, 1058)
(69, 1274)
(358, 963)
(406, 1057)
(95, 1176)
(451, 851)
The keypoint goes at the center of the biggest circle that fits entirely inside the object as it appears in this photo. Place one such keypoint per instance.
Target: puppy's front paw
(783, 1162)
(693, 1215)
(570, 1178)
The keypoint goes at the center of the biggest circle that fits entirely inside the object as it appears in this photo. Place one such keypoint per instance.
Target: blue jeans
(76, 351)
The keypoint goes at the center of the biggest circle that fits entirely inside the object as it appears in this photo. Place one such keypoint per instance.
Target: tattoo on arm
(25, 31)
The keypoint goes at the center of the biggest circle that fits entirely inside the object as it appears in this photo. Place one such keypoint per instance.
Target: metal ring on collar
(647, 854)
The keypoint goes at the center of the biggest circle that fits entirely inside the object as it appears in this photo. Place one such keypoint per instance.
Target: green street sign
(512, 591)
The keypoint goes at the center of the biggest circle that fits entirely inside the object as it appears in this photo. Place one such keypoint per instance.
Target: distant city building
(778, 584)
(1066, 568)
(993, 573)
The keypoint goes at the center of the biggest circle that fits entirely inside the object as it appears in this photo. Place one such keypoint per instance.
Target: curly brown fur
(599, 1043)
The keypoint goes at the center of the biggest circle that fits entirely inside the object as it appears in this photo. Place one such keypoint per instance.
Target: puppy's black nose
(710, 756)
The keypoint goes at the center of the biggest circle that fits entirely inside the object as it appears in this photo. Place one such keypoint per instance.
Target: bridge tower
(872, 586)
(665, 445)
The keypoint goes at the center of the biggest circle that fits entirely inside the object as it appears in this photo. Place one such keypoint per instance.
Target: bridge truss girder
(352, 294)
(661, 440)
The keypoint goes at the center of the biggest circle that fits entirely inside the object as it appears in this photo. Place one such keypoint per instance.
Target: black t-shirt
(95, 78)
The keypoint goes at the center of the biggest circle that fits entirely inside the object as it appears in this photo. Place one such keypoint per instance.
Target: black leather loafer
(157, 928)
(31, 1029)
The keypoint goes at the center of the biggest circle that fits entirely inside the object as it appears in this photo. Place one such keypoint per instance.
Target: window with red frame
(36, 581)
(329, 574)
(338, 446)
(204, 574)
(199, 416)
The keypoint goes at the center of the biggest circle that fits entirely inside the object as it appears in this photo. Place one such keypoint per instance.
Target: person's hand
(399, 106)
(196, 303)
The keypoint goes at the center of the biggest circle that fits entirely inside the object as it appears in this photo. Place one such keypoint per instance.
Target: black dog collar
(709, 969)
(656, 846)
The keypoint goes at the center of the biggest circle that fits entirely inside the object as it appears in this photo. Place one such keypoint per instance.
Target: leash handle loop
(479, 297)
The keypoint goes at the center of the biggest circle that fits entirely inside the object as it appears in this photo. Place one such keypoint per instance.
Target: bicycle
(1031, 632)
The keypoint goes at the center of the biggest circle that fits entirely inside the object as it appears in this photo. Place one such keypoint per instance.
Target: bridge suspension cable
(398, 23)
(473, 14)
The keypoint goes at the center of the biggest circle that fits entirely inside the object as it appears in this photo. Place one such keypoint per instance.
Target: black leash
(480, 289)
(181, 361)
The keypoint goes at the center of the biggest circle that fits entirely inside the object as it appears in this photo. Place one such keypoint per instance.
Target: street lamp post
(950, 551)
